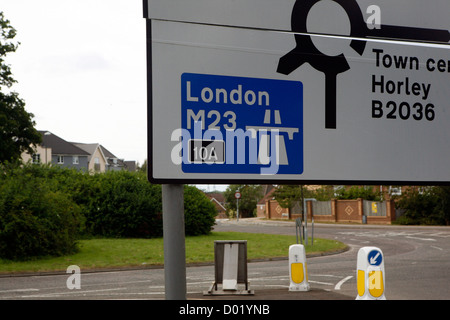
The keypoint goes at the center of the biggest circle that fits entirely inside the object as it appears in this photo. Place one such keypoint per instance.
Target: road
(417, 258)
(417, 263)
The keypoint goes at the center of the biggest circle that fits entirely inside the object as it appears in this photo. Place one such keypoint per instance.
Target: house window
(97, 165)
(60, 160)
(75, 160)
(36, 158)
(395, 190)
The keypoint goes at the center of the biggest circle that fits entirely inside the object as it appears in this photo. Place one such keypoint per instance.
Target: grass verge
(118, 253)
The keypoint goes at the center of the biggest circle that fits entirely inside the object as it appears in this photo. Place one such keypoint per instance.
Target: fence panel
(321, 208)
(374, 208)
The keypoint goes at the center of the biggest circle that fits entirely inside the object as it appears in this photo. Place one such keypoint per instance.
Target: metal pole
(174, 241)
(237, 209)
(298, 229)
(306, 227)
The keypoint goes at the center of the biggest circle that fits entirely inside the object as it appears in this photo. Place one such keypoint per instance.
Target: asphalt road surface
(417, 259)
(417, 267)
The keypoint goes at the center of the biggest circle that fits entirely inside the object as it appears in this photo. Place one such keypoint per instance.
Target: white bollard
(370, 274)
(298, 273)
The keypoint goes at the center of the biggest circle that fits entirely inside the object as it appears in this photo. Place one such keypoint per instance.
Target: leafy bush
(43, 209)
(427, 206)
(250, 195)
(122, 204)
(125, 204)
(199, 212)
(355, 192)
(34, 219)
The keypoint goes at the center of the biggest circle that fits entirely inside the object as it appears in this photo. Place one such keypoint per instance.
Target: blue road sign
(256, 125)
(375, 257)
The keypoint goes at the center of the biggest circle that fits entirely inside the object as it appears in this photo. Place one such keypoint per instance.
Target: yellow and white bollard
(370, 274)
(298, 273)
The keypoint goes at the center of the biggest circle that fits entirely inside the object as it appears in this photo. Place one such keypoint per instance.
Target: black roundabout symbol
(331, 66)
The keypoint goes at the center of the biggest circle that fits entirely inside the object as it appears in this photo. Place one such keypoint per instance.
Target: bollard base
(214, 290)
(367, 297)
(300, 287)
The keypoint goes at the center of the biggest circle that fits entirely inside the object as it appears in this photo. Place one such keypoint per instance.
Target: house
(100, 159)
(113, 162)
(56, 150)
(219, 202)
(268, 191)
(92, 157)
(96, 159)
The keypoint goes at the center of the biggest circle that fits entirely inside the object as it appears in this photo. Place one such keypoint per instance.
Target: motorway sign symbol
(241, 125)
(375, 258)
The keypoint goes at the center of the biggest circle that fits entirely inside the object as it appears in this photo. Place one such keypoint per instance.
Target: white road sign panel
(266, 101)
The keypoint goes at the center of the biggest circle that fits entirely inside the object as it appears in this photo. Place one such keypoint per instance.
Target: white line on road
(56, 294)
(318, 282)
(324, 275)
(19, 290)
(340, 283)
(424, 239)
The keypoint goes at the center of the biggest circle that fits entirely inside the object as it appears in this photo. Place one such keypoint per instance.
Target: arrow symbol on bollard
(373, 260)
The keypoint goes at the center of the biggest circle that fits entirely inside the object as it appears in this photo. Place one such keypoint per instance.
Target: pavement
(276, 294)
(272, 294)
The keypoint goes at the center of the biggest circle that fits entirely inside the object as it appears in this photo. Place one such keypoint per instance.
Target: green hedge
(425, 206)
(355, 192)
(35, 220)
(44, 209)
(199, 212)
(122, 204)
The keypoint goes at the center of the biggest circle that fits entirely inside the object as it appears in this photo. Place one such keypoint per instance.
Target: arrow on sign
(373, 260)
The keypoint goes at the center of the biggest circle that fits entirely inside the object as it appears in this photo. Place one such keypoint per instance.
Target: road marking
(340, 283)
(437, 248)
(441, 235)
(274, 278)
(324, 275)
(318, 282)
(19, 290)
(77, 292)
(273, 285)
(424, 239)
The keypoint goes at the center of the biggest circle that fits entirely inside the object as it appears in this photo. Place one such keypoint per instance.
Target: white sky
(81, 69)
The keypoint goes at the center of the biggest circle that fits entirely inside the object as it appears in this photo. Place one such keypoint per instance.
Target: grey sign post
(174, 242)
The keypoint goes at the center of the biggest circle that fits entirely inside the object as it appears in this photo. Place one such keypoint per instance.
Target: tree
(17, 132)
(286, 195)
(444, 206)
(250, 194)
(143, 167)
(355, 192)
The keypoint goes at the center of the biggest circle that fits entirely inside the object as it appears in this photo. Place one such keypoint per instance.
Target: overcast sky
(81, 69)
